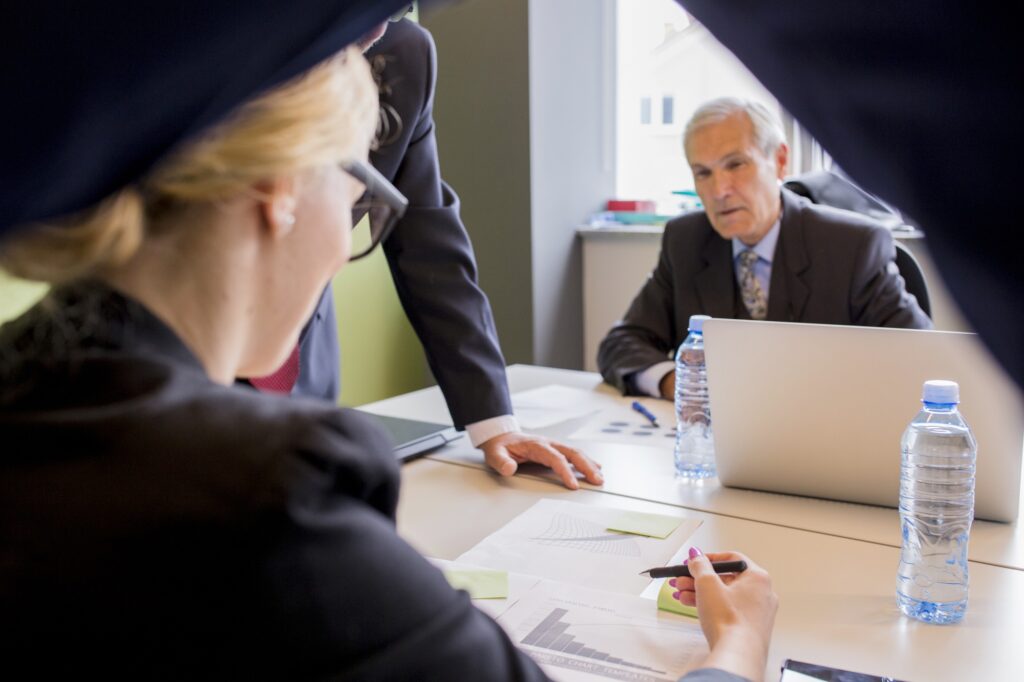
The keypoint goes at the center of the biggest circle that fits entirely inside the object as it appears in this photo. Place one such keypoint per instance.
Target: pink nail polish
(675, 595)
(684, 561)
(695, 552)
(672, 582)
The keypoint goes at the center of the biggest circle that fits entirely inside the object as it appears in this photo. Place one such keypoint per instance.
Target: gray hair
(767, 128)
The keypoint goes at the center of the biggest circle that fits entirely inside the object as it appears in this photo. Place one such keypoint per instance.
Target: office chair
(830, 189)
(913, 276)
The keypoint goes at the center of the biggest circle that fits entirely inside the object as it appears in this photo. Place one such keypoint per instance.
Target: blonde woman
(156, 521)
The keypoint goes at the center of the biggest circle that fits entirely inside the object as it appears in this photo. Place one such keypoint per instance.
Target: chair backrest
(913, 277)
(829, 189)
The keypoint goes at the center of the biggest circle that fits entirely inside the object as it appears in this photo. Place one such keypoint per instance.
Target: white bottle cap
(697, 322)
(940, 391)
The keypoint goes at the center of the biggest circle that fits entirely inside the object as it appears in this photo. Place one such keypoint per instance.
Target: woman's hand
(736, 611)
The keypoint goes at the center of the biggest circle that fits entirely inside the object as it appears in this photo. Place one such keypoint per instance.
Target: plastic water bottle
(936, 508)
(695, 444)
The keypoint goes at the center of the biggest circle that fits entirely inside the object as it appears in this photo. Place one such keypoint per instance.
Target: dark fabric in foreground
(96, 92)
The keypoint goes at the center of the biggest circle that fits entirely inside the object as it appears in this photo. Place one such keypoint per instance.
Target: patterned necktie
(753, 295)
(282, 380)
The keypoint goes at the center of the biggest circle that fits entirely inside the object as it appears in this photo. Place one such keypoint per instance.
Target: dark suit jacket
(429, 253)
(830, 267)
(910, 98)
(154, 524)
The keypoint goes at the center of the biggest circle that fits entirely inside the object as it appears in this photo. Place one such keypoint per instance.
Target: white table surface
(647, 474)
(837, 604)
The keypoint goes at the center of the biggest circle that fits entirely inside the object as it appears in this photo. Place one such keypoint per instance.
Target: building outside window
(666, 60)
(645, 111)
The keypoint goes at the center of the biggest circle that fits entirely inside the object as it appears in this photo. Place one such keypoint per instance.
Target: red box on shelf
(632, 205)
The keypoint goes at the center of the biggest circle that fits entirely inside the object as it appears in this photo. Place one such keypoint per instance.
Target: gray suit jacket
(429, 252)
(830, 267)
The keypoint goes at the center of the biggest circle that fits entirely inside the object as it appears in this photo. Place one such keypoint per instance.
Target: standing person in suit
(434, 270)
(756, 251)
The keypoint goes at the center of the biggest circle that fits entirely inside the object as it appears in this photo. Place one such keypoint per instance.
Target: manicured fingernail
(695, 552)
(675, 595)
(672, 582)
(684, 561)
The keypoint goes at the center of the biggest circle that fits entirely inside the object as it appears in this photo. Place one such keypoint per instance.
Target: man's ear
(781, 159)
(277, 204)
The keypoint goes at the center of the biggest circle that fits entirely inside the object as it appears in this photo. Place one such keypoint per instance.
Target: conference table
(833, 564)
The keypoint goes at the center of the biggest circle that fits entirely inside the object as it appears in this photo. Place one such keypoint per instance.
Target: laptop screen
(818, 410)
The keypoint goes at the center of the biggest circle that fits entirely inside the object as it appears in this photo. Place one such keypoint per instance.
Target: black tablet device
(412, 437)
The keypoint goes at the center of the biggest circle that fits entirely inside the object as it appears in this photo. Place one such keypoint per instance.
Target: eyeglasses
(397, 16)
(381, 205)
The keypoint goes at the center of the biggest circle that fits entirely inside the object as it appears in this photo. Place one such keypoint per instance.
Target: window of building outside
(667, 65)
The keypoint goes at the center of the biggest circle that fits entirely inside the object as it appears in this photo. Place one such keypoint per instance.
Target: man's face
(735, 180)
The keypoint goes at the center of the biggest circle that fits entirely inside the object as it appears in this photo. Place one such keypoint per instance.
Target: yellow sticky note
(639, 523)
(666, 602)
(480, 583)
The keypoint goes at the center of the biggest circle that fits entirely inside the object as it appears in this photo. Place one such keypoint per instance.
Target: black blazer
(154, 524)
(830, 267)
(429, 252)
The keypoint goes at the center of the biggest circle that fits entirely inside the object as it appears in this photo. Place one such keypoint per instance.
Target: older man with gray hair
(756, 251)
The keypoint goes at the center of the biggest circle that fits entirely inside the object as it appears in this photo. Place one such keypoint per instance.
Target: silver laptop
(413, 438)
(818, 410)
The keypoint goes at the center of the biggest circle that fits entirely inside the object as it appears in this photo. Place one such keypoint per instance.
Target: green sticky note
(666, 602)
(480, 583)
(639, 523)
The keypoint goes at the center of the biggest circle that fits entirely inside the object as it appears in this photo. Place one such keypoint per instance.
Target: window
(663, 51)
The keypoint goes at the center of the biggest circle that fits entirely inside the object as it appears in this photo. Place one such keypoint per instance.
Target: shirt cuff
(482, 431)
(648, 381)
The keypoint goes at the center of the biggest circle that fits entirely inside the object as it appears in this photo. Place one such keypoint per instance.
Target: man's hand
(506, 452)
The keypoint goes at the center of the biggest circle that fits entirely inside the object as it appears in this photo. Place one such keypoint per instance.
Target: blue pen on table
(645, 412)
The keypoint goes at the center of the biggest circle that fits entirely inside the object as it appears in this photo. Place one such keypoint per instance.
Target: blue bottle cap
(940, 391)
(697, 322)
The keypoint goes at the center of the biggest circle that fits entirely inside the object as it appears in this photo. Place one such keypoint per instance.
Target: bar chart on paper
(580, 634)
(550, 635)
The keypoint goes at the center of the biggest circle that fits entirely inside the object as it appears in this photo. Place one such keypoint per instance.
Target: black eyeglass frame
(380, 195)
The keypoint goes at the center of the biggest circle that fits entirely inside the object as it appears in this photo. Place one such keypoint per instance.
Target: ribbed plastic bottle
(695, 443)
(936, 508)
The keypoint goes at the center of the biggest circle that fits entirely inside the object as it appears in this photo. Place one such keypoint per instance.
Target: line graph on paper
(569, 541)
(573, 532)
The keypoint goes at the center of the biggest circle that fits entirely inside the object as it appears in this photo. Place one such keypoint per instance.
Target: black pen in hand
(683, 571)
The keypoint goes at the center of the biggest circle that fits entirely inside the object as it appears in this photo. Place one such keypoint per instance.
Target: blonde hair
(327, 115)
